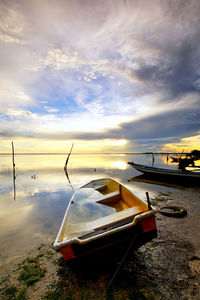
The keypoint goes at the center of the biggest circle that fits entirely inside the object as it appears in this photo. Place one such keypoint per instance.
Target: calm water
(43, 191)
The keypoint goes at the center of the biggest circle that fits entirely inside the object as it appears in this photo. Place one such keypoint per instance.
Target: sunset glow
(186, 145)
(105, 75)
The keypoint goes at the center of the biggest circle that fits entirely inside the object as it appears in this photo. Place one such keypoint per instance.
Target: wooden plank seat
(111, 197)
(100, 187)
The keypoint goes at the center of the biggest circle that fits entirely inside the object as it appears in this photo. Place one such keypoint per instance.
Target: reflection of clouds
(118, 165)
(15, 217)
(35, 162)
(97, 161)
(18, 211)
(30, 220)
(84, 208)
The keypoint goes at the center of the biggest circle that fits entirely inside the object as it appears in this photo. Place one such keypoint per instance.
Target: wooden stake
(14, 175)
(65, 167)
(69, 156)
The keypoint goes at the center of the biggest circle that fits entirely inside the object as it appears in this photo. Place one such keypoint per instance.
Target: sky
(109, 76)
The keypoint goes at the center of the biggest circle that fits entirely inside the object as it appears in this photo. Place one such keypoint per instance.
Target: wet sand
(166, 268)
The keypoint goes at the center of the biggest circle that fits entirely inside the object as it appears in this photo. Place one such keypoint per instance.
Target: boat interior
(121, 203)
(116, 195)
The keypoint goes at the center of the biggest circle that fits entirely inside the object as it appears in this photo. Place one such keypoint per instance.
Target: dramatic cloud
(100, 70)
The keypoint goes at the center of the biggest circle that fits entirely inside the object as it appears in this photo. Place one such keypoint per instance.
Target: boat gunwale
(57, 245)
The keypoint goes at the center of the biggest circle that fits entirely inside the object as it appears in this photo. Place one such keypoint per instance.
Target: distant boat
(102, 215)
(168, 173)
(177, 158)
(174, 159)
(195, 155)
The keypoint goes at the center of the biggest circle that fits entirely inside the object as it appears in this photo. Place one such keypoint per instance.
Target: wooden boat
(103, 214)
(168, 173)
(195, 155)
(174, 159)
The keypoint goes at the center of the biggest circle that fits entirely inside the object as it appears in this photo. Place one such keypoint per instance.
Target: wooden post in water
(153, 159)
(14, 175)
(65, 167)
(68, 156)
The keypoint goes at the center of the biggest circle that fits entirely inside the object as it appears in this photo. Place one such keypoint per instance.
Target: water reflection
(118, 164)
(43, 192)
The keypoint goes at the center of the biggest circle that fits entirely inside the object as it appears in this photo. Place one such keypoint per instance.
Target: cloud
(62, 59)
(12, 97)
(50, 109)
(158, 128)
(100, 69)
(187, 143)
(12, 24)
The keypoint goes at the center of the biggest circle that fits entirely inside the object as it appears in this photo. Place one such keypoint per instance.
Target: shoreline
(166, 268)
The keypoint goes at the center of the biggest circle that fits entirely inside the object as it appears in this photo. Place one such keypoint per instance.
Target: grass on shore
(32, 279)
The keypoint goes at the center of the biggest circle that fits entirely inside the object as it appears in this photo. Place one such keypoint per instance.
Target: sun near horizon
(94, 146)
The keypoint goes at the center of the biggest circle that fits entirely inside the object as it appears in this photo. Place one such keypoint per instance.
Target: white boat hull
(165, 172)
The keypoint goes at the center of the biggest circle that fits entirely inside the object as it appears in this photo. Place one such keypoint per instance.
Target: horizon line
(88, 153)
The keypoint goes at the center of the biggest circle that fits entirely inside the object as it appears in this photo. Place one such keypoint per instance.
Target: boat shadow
(102, 266)
(165, 181)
